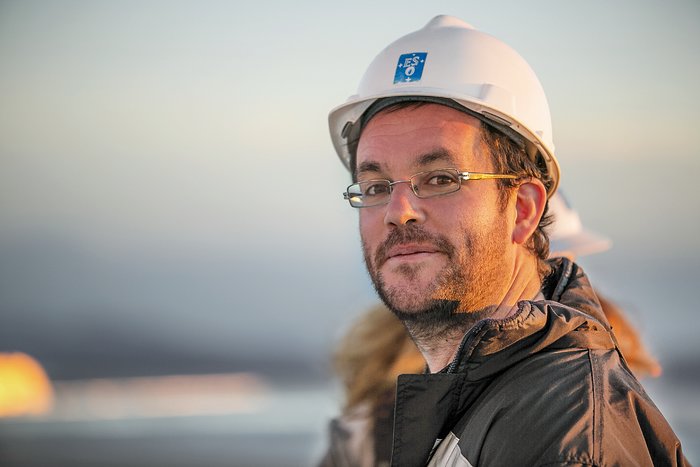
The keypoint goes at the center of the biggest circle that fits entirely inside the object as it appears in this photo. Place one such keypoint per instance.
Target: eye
(375, 188)
(439, 178)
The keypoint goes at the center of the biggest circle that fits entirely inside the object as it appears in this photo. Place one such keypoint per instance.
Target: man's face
(453, 248)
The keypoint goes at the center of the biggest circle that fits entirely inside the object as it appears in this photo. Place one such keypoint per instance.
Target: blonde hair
(640, 361)
(369, 358)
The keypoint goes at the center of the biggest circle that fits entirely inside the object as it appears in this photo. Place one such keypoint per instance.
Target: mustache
(411, 233)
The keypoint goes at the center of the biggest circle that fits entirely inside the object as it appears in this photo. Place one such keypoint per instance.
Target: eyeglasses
(424, 185)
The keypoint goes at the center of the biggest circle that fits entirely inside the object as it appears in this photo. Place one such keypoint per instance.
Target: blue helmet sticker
(410, 67)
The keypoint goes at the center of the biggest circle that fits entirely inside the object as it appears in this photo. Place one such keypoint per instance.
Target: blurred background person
(368, 360)
(569, 238)
(377, 349)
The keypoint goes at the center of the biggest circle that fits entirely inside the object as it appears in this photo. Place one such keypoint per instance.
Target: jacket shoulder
(566, 407)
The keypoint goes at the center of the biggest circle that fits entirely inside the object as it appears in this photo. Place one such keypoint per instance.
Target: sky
(167, 177)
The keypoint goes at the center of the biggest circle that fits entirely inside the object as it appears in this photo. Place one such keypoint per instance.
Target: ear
(529, 206)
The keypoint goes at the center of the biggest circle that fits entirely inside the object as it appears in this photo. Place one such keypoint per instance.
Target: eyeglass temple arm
(483, 176)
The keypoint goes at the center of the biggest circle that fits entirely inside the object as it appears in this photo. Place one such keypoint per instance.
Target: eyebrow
(439, 154)
(368, 166)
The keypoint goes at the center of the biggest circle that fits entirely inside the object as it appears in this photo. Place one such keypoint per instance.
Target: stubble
(456, 298)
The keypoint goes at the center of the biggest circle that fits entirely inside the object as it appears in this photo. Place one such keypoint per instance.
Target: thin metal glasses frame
(463, 177)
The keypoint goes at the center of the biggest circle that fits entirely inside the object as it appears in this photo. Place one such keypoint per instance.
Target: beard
(459, 294)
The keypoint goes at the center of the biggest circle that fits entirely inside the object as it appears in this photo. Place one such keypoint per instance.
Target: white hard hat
(448, 59)
(567, 234)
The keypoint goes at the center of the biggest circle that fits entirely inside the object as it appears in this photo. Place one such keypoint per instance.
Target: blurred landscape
(174, 250)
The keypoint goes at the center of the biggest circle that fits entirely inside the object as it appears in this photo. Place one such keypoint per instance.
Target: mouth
(411, 252)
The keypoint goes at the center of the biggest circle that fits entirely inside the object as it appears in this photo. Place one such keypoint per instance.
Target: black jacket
(547, 386)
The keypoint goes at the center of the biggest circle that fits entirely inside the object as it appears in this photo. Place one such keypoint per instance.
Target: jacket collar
(570, 316)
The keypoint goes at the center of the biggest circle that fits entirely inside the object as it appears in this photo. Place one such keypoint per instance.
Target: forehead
(411, 137)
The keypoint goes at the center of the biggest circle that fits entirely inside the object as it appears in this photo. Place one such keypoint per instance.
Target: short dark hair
(509, 156)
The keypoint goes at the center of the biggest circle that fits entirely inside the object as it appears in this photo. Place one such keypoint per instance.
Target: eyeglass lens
(424, 185)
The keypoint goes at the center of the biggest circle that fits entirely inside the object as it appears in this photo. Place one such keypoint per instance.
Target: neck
(438, 342)
(439, 339)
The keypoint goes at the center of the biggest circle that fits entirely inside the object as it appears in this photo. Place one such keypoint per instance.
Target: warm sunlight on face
(449, 247)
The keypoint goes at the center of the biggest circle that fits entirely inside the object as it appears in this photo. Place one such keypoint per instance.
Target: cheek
(370, 226)
(368, 234)
(484, 212)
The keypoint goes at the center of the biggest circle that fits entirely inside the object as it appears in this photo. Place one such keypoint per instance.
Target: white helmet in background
(449, 60)
(567, 236)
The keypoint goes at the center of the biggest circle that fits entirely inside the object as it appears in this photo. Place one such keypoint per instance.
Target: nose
(404, 206)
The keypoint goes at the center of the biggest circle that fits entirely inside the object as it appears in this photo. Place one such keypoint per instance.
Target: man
(450, 147)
